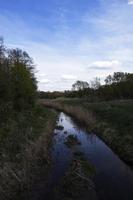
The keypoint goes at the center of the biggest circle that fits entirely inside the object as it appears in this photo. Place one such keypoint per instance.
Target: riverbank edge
(19, 176)
(99, 127)
(42, 152)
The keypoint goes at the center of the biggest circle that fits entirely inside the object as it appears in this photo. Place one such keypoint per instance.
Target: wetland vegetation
(44, 152)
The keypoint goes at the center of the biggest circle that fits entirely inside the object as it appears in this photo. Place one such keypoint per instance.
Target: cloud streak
(130, 2)
(104, 65)
(45, 81)
(68, 77)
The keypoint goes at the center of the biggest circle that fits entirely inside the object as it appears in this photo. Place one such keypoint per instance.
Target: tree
(17, 81)
(23, 80)
(108, 80)
(118, 77)
(80, 85)
(2, 50)
(95, 84)
(4, 74)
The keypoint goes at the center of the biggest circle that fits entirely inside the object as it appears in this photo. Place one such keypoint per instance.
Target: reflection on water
(113, 180)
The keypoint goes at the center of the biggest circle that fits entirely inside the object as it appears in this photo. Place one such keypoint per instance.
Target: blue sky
(70, 39)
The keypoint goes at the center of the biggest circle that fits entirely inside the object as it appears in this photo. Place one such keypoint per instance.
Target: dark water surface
(113, 180)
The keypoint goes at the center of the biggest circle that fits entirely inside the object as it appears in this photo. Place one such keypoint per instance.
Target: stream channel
(113, 179)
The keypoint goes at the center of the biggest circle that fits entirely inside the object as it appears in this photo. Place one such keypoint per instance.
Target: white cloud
(45, 81)
(41, 75)
(68, 77)
(130, 2)
(104, 65)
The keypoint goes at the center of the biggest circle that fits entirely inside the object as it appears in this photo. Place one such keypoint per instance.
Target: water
(113, 179)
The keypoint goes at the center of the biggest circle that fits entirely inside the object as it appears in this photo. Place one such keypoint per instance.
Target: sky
(70, 40)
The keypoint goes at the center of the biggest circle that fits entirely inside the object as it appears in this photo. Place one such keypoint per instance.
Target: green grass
(119, 114)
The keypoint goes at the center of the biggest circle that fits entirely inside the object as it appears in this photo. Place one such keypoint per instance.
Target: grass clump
(77, 183)
(72, 140)
(59, 127)
(85, 166)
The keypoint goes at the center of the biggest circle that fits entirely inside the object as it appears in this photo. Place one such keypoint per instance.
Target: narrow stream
(113, 179)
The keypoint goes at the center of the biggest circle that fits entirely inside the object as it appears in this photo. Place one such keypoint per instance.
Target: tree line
(116, 86)
(18, 86)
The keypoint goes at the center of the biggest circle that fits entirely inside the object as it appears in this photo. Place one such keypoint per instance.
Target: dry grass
(83, 116)
(17, 176)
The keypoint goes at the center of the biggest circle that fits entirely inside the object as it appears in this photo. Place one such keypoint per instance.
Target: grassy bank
(24, 151)
(112, 121)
